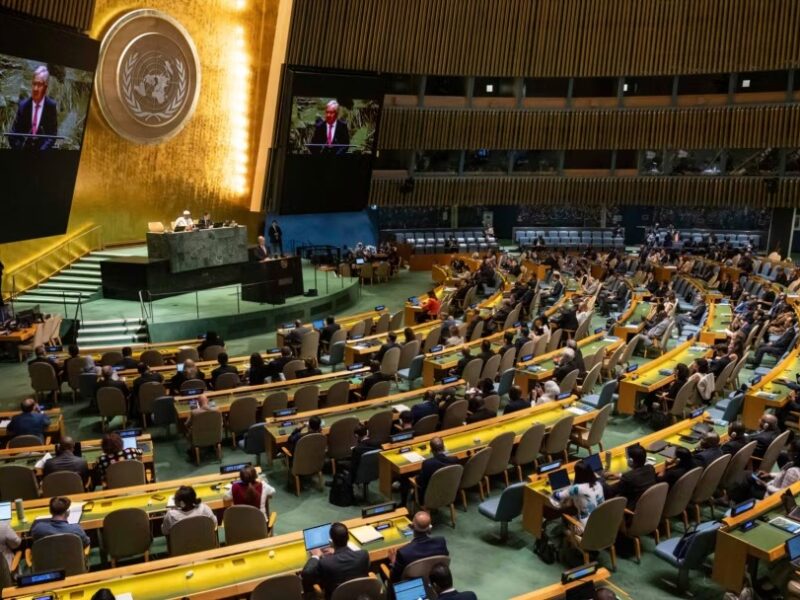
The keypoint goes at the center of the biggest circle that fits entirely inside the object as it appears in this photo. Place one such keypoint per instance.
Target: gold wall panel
(708, 127)
(76, 14)
(547, 38)
(665, 191)
(209, 164)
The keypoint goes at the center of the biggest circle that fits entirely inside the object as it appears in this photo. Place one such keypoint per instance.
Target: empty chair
(126, 533)
(601, 529)
(708, 484)
(24, 441)
(148, 392)
(593, 436)
(555, 340)
(477, 332)
(309, 345)
(390, 362)
(212, 352)
(227, 381)
(275, 401)
(338, 394)
(111, 358)
(430, 340)
(363, 588)
(152, 358)
(206, 430)
(472, 371)
(568, 383)
(380, 426)
(308, 458)
(474, 470)
(125, 473)
(382, 324)
(44, 379)
(678, 498)
(17, 481)
(455, 415)
(407, 354)
(379, 390)
(413, 372)
(290, 369)
(111, 403)
(185, 354)
(367, 470)
(646, 516)
(441, 490)
(558, 439)
(192, 534)
(529, 448)
(492, 403)
(306, 398)
(62, 483)
(255, 441)
(164, 412)
(504, 508)
(241, 416)
(244, 523)
(506, 381)
(341, 439)
(590, 380)
(336, 355)
(285, 587)
(766, 462)
(605, 397)
(490, 367)
(737, 470)
(426, 425)
(507, 360)
(501, 446)
(700, 547)
(63, 551)
(397, 321)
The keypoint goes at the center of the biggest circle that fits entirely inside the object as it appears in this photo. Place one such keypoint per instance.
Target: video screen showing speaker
(46, 81)
(329, 143)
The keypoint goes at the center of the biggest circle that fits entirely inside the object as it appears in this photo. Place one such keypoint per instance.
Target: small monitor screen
(564, 395)
(450, 379)
(411, 589)
(631, 368)
(558, 479)
(5, 511)
(548, 467)
(697, 412)
(192, 392)
(594, 463)
(743, 507)
(377, 509)
(129, 443)
(39, 578)
(526, 358)
(380, 307)
(318, 324)
(793, 547)
(284, 412)
(225, 469)
(359, 261)
(317, 537)
(402, 437)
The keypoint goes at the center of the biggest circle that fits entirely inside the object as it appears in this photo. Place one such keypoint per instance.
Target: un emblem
(148, 77)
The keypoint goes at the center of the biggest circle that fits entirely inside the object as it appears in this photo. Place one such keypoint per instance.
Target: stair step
(74, 279)
(39, 299)
(103, 255)
(85, 287)
(59, 293)
(123, 320)
(91, 258)
(112, 329)
(110, 339)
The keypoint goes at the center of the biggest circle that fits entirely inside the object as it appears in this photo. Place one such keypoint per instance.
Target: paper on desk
(576, 411)
(125, 596)
(413, 457)
(40, 463)
(171, 501)
(4, 423)
(366, 534)
(400, 408)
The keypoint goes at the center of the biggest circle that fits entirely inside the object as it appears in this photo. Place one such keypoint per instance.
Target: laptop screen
(402, 437)
(594, 462)
(558, 479)
(789, 503)
(129, 443)
(793, 547)
(584, 591)
(318, 324)
(412, 589)
(743, 507)
(359, 261)
(317, 537)
(5, 511)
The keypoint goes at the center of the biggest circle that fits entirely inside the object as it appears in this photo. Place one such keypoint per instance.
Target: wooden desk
(279, 429)
(769, 392)
(557, 591)
(462, 441)
(359, 351)
(631, 322)
(168, 350)
(437, 364)
(19, 336)
(227, 572)
(55, 430)
(718, 320)
(542, 367)
(411, 310)
(536, 495)
(90, 451)
(242, 363)
(649, 377)
(664, 273)
(737, 550)
(344, 322)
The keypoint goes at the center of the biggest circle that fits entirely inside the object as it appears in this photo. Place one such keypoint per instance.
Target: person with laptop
(585, 493)
(187, 504)
(789, 474)
(441, 580)
(422, 545)
(331, 566)
(636, 480)
(115, 451)
(58, 522)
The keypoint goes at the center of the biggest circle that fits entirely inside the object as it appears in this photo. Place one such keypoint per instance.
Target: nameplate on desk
(355, 367)
(225, 469)
(526, 358)
(631, 368)
(450, 379)
(40, 578)
(377, 509)
(284, 412)
(564, 395)
(380, 307)
(578, 573)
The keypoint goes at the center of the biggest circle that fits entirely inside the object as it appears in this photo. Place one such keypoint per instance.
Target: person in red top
(251, 490)
(431, 306)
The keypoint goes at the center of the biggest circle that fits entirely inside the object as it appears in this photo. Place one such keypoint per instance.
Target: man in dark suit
(335, 566)
(109, 381)
(331, 327)
(391, 343)
(428, 406)
(430, 465)
(295, 336)
(466, 357)
(65, 460)
(636, 480)
(31, 421)
(36, 115)
(127, 361)
(775, 348)
(479, 412)
(736, 438)
(145, 376)
(275, 366)
(422, 545)
(486, 351)
(516, 401)
(331, 135)
(441, 580)
(223, 367)
(708, 451)
(766, 434)
(261, 253)
(275, 234)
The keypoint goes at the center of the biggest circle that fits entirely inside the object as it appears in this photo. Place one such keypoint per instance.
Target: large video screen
(46, 79)
(327, 143)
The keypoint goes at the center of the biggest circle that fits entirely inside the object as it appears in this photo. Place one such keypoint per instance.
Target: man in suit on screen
(36, 115)
(331, 135)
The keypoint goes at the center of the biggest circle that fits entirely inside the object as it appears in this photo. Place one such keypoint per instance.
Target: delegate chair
(227, 381)
(701, 546)
(44, 380)
(241, 416)
(380, 426)
(362, 588)
(25, 441)
(126, 533)
(152, 358)
(529, 448)
(275, 401)
(501, 446)
(593, 436)
(708, 484)
(646, 516)
(255, 441)
(243, 523)
(678, 498)
(601, 529)
(308, 458)
(338, 394)
(367, 471)
(426, 425)
(558, 439)
(441, 490)
(62, 483)
(285, 587)
(307, 398)
(17, 481)
(504, 508)
(125, 473)
(341, 438)
(455, 414)
(206, 431)
(63, 551)
(474, 469)
(193, 534)
(336, 355)
(148, 392)
(111, 403)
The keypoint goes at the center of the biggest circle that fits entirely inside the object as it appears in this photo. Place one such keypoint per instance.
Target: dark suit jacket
(261, 253)
(520, 404)
(462, 363)
(48, 125)
(128, 363)
(385, 348)
(340, 136)
(275, 234)
(703, 458)
(732, 446)
(481, 415)
(418, 548)
(456, 595)
(785, 339)
(762, 439)
(120, 385)
(332, 570)
(429, 467)
(633, 483)
(67, 461)
(328, 331)
(423, 409)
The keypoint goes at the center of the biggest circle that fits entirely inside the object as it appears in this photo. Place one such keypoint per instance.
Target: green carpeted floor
(493, 570)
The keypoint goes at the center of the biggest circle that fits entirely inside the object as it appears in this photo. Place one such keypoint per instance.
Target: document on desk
(4, 423)
(40, 463)
(576, 411)
(366, 534)
(785, 524)
(413, 457)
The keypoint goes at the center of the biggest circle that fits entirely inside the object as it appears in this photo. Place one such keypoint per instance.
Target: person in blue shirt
(58, 522)
(428, 406)
(31, 421)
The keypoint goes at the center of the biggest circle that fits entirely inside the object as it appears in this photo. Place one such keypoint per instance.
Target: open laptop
(558, 479)
(318, 325)
(360, 261)
(594, 463)
(317, 537)
(790, 505)
(411, 589)
(793, 551)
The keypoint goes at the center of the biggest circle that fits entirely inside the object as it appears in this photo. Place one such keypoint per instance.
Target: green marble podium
(199, 249)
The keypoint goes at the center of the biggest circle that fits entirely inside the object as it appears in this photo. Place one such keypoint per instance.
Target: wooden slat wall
(546, 38)
(688, 128)
(665, 191)
(76, 14)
